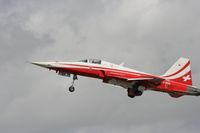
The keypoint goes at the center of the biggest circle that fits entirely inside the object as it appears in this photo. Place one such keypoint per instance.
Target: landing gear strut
(72, 88)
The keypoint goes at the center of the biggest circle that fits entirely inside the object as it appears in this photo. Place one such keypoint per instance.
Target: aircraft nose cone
(42, 64)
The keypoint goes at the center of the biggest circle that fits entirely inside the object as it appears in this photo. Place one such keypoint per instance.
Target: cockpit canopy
(94, 61)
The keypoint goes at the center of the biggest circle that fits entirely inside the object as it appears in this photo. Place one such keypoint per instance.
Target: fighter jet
(177, 81)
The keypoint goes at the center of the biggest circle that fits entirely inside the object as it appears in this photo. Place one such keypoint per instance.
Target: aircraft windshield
(84, 61)
(94, 61)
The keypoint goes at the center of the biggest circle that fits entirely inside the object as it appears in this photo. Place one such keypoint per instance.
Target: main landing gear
(72, 88)
(135, 90)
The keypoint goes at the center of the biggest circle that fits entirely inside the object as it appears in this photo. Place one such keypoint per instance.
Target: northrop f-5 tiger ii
(176, 82)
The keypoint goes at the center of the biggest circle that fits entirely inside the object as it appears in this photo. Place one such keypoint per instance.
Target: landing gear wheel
(131, 96)
(71, 89)
(131, 93)
(138, 93)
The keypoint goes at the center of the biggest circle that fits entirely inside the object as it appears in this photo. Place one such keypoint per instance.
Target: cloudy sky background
(148, 35)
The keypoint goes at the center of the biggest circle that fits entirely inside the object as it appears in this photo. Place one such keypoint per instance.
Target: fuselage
(118, 75)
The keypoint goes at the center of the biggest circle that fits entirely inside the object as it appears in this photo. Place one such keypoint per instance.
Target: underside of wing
(127, 80)
(136, 79)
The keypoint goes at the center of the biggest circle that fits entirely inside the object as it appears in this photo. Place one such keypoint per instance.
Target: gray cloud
(147, 35)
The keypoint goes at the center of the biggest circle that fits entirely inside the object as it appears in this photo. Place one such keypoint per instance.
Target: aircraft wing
(134, 79)
(150, 79)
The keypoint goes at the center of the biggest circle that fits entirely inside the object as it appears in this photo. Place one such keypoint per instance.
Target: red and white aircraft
(177, 81)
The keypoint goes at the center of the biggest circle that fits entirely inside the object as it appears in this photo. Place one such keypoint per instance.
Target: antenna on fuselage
(122, 64)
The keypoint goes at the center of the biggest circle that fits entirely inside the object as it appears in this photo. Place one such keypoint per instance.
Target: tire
(71, 89)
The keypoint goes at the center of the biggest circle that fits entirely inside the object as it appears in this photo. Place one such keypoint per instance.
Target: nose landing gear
(72, 88)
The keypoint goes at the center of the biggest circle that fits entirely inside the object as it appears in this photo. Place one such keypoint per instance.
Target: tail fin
(180, 72)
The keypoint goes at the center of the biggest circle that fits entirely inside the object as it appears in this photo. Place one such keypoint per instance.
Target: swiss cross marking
(186, 78)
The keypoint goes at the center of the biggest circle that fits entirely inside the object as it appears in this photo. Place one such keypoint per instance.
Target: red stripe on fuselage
(104, 68)
(129, 74)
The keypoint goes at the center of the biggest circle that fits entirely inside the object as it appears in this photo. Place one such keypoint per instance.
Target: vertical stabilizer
(180, 72)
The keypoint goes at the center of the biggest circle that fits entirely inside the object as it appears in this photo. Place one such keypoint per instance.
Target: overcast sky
(148, 35)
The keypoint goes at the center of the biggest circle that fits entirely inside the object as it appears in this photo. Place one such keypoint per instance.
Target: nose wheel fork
(72, 88)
